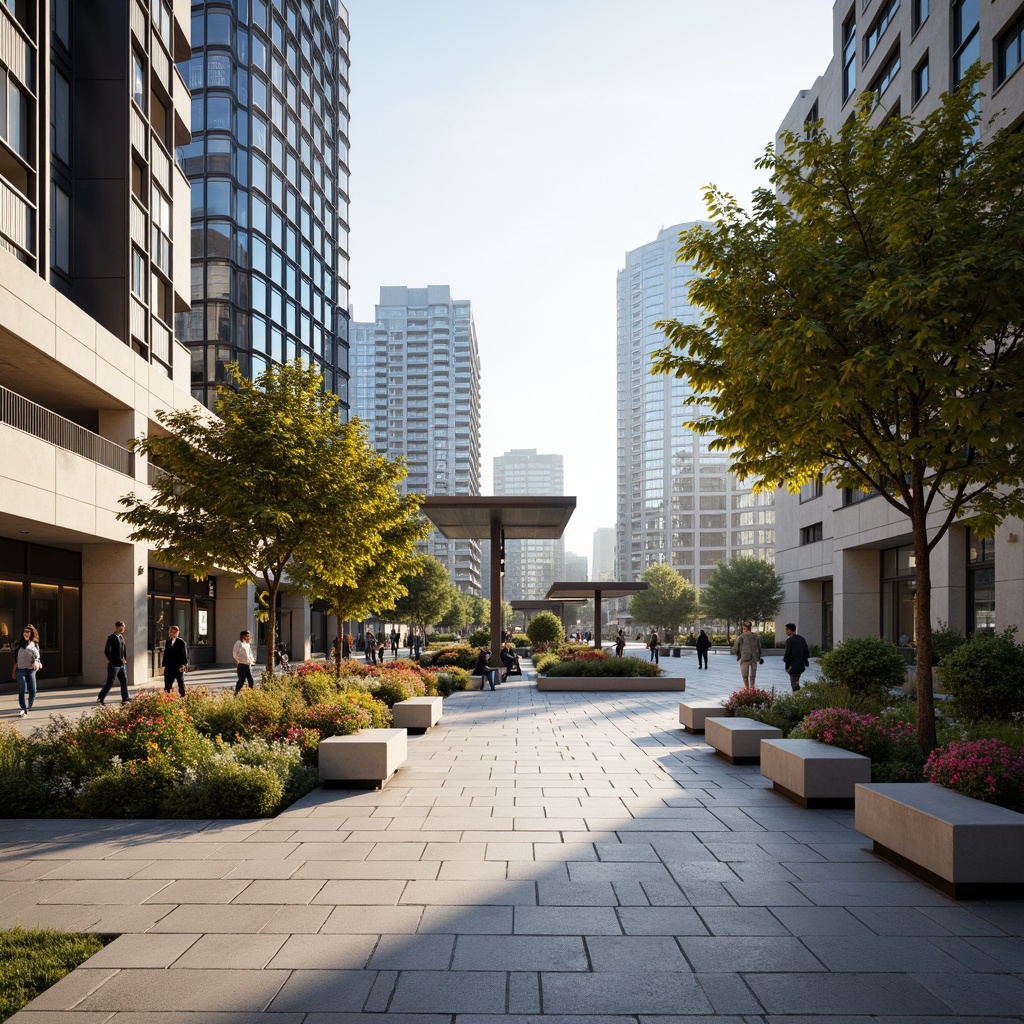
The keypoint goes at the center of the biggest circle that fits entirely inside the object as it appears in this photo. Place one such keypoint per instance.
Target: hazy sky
(517, 150)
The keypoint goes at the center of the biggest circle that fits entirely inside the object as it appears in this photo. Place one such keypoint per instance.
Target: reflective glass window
(218, 197)
(218, 29)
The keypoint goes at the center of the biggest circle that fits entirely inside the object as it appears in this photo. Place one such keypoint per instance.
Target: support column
(597, 619)
(495, 593)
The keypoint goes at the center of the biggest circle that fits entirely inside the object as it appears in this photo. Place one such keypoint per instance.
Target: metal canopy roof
(542, 606)
(586, 591)
(522, 517)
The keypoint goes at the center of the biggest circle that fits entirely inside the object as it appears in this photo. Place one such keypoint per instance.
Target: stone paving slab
(556, 858)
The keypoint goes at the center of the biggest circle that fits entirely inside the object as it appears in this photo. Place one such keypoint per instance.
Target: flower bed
(988, 770)
(604, 668)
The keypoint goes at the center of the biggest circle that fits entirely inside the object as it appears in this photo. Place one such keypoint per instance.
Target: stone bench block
(417, 714)
(365, 760)
(611, 684)
(964, 847)
(738, 740)
(813, 774)
(693, 713)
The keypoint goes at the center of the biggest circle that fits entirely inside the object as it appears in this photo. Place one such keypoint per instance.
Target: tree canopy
(274, 477)
(429, 593)
(864, 321)
(742, 588)
(670, 601)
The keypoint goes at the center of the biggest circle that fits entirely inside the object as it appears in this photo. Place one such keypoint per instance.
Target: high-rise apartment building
(678, 503)
(531, 566)
(844, 556)
(575, 568)
(93, 262)
(268, 163)
(603, 564)
(416, 385)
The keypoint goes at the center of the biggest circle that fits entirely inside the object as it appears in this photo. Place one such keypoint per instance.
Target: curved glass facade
(268, 165)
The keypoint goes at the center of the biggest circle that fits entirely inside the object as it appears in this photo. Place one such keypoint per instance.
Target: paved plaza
(541, 856)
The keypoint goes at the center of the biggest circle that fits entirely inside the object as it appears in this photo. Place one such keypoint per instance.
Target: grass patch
(33, 959)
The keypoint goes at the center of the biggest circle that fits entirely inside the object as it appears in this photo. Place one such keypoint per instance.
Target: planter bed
(610, 684)
(738, 740)
(813, 774)
(364, 760)
(964, 847)
(694, 713)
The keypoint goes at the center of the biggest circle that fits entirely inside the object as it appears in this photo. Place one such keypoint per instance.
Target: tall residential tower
(678, 503)
(416, 373)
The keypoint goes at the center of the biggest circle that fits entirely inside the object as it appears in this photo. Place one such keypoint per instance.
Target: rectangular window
(17, 120)
(966, 37)
(919, 14)
(849, 56)
(62, 21)
(920, 82)
(885, 77)
(810, 121)
(139, 80)
(811, 534)
(1010, 50)
(60, 117)
(877, 30)
(139, 274)
(812, 489)
(60, 229)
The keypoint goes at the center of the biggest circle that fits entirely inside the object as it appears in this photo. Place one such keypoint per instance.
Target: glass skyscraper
(677, 501)
(268, 165)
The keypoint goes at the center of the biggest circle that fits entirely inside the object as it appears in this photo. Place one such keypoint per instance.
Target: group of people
(489, 674)
(175, 662)
(796, 655)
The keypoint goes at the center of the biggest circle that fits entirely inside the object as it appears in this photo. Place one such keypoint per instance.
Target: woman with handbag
(26, 666)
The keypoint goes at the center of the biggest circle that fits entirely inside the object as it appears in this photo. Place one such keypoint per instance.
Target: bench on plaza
(738, 740)
(813, 774)
(364, 760)
(417, 714)
(964, 847)
(693, 713)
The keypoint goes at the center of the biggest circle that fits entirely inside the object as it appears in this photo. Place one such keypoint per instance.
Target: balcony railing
(33, 419)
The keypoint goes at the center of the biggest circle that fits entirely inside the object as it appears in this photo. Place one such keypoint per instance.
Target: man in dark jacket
(117, 661)
(796, 655)
(175, 660)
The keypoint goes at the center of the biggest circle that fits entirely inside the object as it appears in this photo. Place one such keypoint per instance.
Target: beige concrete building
(94, 262)
(845, 557)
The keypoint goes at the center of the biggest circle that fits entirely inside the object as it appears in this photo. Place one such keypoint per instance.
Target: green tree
(742, 588)
(428, 595)
(545, 628)
(865, 321)
(455, 615)
(275, 476)
(669, 602)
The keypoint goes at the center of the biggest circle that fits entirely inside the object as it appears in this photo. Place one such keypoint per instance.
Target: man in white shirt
(244, 660)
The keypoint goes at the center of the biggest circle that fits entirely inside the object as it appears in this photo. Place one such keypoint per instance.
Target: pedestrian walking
(703, 646)
(394, 644)
(175, 661)
(371, 647)
(796, 655)
(27, 663)
(748, 654)
(117, 664)
(244, 660)
(654, 644)
(620, 643)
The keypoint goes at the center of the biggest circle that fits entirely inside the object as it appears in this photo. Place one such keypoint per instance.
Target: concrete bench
(693, 713)
(417, 714)
(364, 760)
(964, 847)
(738, 740)
(813, 774)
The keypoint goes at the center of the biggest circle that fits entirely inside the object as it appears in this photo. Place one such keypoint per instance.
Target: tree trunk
(923, 627)
(341, 646)
(271, 624)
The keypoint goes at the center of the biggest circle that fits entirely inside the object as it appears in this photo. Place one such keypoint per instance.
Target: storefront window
(981, 584)
(44, 606)
(899, 591)
(11, 615)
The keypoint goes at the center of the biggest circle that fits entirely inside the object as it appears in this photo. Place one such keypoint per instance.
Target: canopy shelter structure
(558, 607)
(586, 591)
(499, 518)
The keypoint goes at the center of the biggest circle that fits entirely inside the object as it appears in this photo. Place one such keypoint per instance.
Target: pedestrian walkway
(565, 857)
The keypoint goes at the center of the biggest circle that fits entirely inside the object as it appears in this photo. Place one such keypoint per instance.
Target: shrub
(363, 700)
(479, 638)
(579, 652)
(130, 789)
(520, 640)
(785, 711)
(945, 640)
(744, 699)
(607, 667)
(985, 677)
(284, 759)
(542, 662)
(545, 627)
(340, 717)
(862, 733)
(228, 789)
(445, 683)
(984, 769)
(392, 686)
(459, 655)
(866, 665)
(21, 791)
